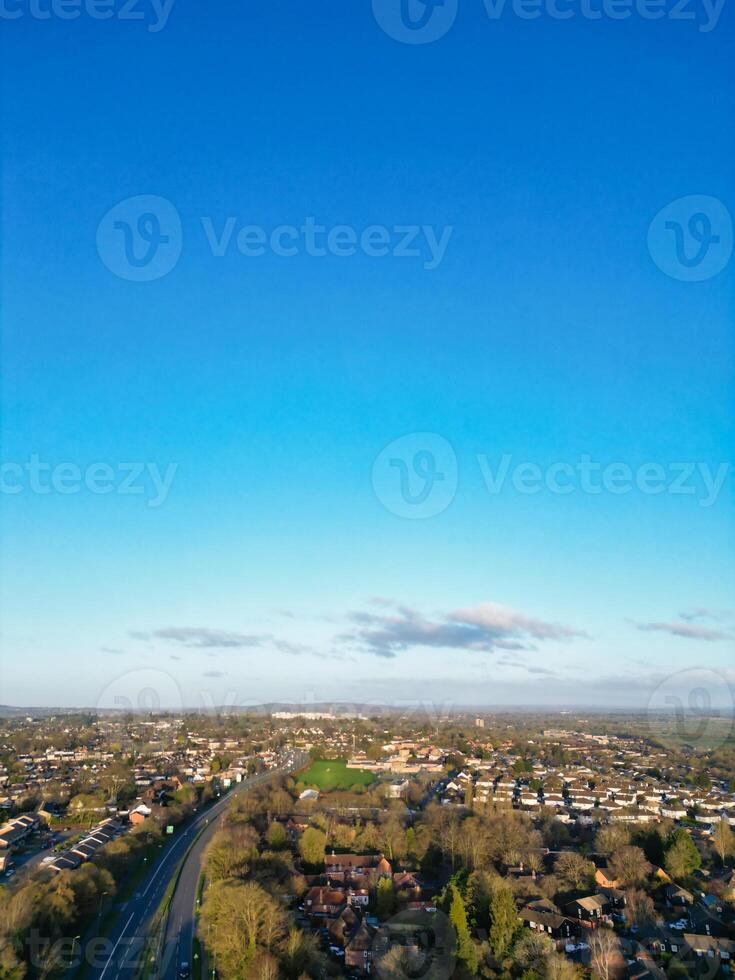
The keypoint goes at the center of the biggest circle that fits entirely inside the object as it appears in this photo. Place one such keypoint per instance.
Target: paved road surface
(126, 938)
(181, 917)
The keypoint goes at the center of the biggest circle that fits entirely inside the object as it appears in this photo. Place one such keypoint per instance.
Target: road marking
(214, 809)
(116, 945)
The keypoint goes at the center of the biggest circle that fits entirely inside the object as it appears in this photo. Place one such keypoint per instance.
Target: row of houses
(615, 800)
(90, 845)
(15, 832)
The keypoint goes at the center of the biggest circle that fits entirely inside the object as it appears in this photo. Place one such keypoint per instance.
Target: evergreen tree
(466, 952)
(504, 921)
(385, 898)
(682, 856)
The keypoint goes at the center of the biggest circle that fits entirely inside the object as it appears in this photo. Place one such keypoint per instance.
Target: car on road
(184, 971)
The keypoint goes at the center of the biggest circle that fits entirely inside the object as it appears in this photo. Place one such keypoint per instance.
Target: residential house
(324, 901)
(590, 910)
(359, 948)
(552, 923)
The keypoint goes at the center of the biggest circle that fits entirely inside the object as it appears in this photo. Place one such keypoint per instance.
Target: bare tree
(629, 865)
(723, 839)
(604, 950)
(639, 908)
(611, 838)
(574, 870)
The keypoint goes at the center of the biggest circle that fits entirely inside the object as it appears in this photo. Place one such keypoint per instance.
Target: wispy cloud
(202, 638)
(717, 616)
(210, 640)
(684, 630)
(487, 627)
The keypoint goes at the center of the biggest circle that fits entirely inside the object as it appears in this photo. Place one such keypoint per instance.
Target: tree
(604, 951)
(629, 866)
(276, 836)
(11, 965)
(225, 858)
(241, 921)
(681, 857)
(473, 842)
(449, 834)
(466, 952)
(300, 953)
(558, 967)
(532, 949)
(481, 886)
(393, 837)
(574, 870)
(265, 967)
(504, 921)
(401, 962)
(639, 908)
(343, 835)
(723, 839)
(385, 898)
(312, 846)
(611, 838)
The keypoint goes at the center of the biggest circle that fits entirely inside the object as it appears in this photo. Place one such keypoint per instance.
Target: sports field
(328, 774)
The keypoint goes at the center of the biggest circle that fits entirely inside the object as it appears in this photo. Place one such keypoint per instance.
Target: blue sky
(272, 568)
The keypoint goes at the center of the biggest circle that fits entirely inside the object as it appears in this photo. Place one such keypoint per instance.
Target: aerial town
(326, 846)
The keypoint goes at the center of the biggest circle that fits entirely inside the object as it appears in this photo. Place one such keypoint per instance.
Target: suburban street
(126, 938)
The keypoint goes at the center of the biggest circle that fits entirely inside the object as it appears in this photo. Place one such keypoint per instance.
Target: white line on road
(116, 945)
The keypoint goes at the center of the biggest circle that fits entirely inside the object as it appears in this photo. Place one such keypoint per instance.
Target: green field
(328, 774)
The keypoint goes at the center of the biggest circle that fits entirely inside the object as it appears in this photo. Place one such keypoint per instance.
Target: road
(181, 917)
(125, 940)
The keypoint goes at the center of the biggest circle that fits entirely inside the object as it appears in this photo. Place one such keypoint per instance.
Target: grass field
(328, 774)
